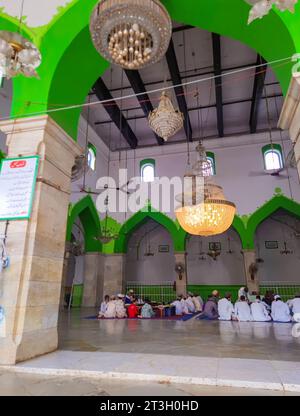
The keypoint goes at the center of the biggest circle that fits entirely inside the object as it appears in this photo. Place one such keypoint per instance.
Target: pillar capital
(41, 136)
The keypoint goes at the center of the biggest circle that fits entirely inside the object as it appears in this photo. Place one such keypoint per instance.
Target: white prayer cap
(277, 297)
(121, 296)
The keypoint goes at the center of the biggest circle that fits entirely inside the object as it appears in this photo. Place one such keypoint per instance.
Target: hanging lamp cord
(21, 16)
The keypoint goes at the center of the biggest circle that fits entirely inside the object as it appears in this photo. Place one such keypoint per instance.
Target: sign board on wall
(17, 184)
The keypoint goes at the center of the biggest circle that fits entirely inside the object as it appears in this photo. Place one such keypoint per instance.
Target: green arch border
(264, 212)
(86, 211)
(71, 64)
(139, 218)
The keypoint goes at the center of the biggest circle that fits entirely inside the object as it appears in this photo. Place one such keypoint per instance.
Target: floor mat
(166, 318)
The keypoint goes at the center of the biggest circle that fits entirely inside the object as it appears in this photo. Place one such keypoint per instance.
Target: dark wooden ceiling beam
(138, 87)
(179, 91)
(114, 112)
(216, 41)
(258, 88)
(202, 107)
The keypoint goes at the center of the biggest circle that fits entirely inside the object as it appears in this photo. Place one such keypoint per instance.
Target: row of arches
(149, 243)
(245, 227)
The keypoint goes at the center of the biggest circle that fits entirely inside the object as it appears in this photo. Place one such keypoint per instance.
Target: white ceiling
(37, 12)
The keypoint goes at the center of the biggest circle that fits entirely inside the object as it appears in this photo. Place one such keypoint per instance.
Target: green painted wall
(77, 296)
(86, 211)
(205, 290)
(71, 64)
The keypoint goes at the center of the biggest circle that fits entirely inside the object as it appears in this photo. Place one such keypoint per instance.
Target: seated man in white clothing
(120, 307)
(243, 291)
(111, 308)
(200, 300)
(190, 304)
(225, 308)
(185, 309)
(178, 306)
(197, 304)
(259, 311)
(242, 310)
(294, 304)
(103, 307)
(280, 310)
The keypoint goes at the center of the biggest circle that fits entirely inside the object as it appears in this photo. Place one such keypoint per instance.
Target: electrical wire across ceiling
(154, 91)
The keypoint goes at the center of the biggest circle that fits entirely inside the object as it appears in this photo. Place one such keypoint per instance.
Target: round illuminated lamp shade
(131, 33)
(206, 217)
(209, 218)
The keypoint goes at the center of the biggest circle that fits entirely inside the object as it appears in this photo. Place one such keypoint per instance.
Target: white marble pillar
(92, 280)
(31, 286)
(114, 274)
(252, 281)
(181, 281)
(290, 115)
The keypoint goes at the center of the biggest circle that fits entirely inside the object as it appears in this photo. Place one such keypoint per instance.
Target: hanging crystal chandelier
(203, 208)
(18, 56)
(131, 33)
(165, 121)
(262, 7)
(106, 234)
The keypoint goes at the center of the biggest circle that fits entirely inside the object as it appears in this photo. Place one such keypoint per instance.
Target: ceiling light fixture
(17, 54)
(165, 121)
(131, 33)
(203, 208)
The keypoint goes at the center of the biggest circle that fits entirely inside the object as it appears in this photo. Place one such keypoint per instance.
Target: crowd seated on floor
(131, 306)
(123, 306)
(247, 308)
(260, 309)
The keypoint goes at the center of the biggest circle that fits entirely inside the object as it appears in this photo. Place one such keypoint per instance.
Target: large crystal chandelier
(262, 7)
(203, 208)
(131, 33)
(165, 121)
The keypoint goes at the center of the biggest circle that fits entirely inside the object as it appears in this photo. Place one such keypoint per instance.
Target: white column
(181, 280)
(31, 286)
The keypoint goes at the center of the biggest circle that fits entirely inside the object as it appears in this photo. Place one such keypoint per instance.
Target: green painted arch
(264, 212)
(86, 211)
(11, 24)
(139, 218)
(240, 229)
(71, 64)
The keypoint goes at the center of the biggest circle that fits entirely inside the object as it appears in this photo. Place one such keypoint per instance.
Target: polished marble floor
(40, 385)
(250, 340)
